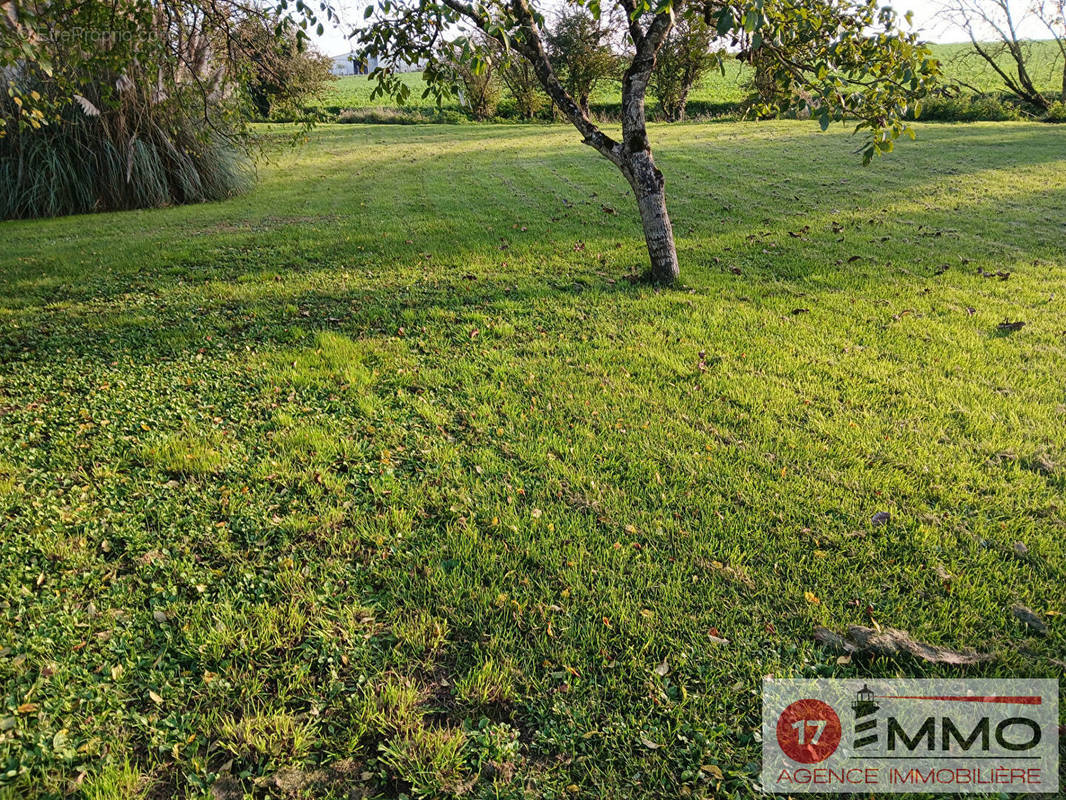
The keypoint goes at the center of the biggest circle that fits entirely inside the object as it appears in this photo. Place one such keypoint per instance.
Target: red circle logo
(808, 731)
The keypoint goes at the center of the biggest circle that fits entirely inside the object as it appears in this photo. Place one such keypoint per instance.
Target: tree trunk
(633, 154)
(648, 185)
(636, 161)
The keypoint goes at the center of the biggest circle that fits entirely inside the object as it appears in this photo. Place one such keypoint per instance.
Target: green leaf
(725, 22)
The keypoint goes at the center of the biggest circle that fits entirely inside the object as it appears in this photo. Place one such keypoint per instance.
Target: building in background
(351, 64)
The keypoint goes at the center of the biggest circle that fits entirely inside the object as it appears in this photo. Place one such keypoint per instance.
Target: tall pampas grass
(82, 166)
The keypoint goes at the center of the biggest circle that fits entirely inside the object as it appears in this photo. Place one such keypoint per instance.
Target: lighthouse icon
(865, 722)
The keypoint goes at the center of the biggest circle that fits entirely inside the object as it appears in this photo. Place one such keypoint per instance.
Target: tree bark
(638, 165)
(648, 185)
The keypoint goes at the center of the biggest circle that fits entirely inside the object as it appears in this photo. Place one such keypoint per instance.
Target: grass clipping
(861, 640)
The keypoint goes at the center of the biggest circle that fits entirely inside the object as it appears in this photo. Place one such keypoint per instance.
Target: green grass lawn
(384, 478)
(731, 85)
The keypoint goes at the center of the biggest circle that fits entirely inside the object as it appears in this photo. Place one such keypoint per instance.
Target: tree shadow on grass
(423, 218)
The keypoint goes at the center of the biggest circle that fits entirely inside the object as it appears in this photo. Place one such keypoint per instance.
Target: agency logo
(910, 735)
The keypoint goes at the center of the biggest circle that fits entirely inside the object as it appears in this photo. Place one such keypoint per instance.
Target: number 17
(801, 729)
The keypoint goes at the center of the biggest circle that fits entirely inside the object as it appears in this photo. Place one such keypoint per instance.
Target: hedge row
(963, 108)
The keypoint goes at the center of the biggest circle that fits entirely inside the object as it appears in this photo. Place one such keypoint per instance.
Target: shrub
(521, 81)
(1056, 113)
(398, 116)
(279, 71)
(479, 88)
(580, 50)
(968, 108)
(683, 60)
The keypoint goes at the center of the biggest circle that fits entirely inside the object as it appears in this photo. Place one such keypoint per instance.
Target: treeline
(959, 107)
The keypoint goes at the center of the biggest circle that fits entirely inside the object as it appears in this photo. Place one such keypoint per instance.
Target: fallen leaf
(734, 573)
(1006, 326)
(1030, 618)
(155, 697)
(713, 770)
(644, 740)
(946, 577)
(663, 669)
(880, 518)
(812, 598)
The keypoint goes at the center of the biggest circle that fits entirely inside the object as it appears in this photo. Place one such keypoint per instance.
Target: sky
(334, 42)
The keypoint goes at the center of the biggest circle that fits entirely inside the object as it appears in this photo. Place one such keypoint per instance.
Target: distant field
(961, 64)
(353, 91)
